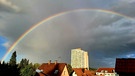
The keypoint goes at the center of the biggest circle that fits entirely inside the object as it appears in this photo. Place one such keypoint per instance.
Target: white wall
(74, 74)
(106, 74)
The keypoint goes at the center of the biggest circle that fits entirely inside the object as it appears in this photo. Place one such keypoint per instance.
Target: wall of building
(74, 74)
(106, 74)
(79, 58)
(65, 72)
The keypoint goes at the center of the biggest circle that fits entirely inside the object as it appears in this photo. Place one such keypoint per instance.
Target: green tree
(12, 61)
(36, 65)
(70, 70)
(23, 63)
(28, 70)
(8, 70)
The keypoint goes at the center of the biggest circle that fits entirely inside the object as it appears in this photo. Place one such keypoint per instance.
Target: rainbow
(51, 17)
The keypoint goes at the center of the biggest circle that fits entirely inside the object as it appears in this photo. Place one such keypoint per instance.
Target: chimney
(49, 62)
(79, 48)
(55, 61)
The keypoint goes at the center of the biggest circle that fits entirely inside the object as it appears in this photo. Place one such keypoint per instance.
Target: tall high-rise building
(79, 58)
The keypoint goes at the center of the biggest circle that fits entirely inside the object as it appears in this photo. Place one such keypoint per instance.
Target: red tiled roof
(49, 69)
(78, 71)
(109, 70)
(82, 72)
(88, 72)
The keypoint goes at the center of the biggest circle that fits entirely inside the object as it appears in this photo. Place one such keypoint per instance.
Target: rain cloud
(105, 40)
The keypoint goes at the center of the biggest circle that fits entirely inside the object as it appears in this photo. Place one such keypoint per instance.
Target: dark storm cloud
(98, 33)
(125, 7)
(51, 8)
(6, 5)
(14, 26)
(105, 36)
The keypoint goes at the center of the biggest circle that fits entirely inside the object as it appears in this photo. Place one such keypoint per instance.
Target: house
(106, 72)
(125, 66)
(81, 72)
(53, 69)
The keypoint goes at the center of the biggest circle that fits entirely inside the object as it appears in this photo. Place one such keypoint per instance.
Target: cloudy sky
(88, 24)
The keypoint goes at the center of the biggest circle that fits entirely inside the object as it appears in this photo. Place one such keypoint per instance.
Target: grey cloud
(6, 5)
(13, 26)
(104, 35)
(53, 7)
(55, 38)
(127, 1)
(124, 7)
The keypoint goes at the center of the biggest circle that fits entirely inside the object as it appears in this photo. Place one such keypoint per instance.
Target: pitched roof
(82, 72)
(52, 69)
(109, 70)
(126, 65)
(78, 71)
(88, 73)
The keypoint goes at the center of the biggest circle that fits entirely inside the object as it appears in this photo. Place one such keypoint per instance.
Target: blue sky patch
(2, 47)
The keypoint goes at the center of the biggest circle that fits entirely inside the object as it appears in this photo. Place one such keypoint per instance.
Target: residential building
(53, 69)
(125, 66)
(79, 58)
(82, 72)
(106, 72)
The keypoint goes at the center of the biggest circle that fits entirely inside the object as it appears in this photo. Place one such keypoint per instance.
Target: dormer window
(113, 71)
(39, 71)
(102, 71)
(106, 71)
(56, 71)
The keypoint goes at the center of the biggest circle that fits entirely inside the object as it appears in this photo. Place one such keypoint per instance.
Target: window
(64, 73)
(56, 72)
(106, 71)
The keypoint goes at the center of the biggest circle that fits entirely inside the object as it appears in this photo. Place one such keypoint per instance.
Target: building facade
(106, 72)
(82, 72)
(52, 69)
(79, 58)
(125, 66)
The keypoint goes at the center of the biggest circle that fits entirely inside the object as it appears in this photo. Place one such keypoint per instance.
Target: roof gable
(78, 71)
(108, 70)
(82, 72)
(52, 69)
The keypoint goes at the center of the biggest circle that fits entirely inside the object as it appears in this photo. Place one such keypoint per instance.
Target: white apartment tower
(79, 58)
